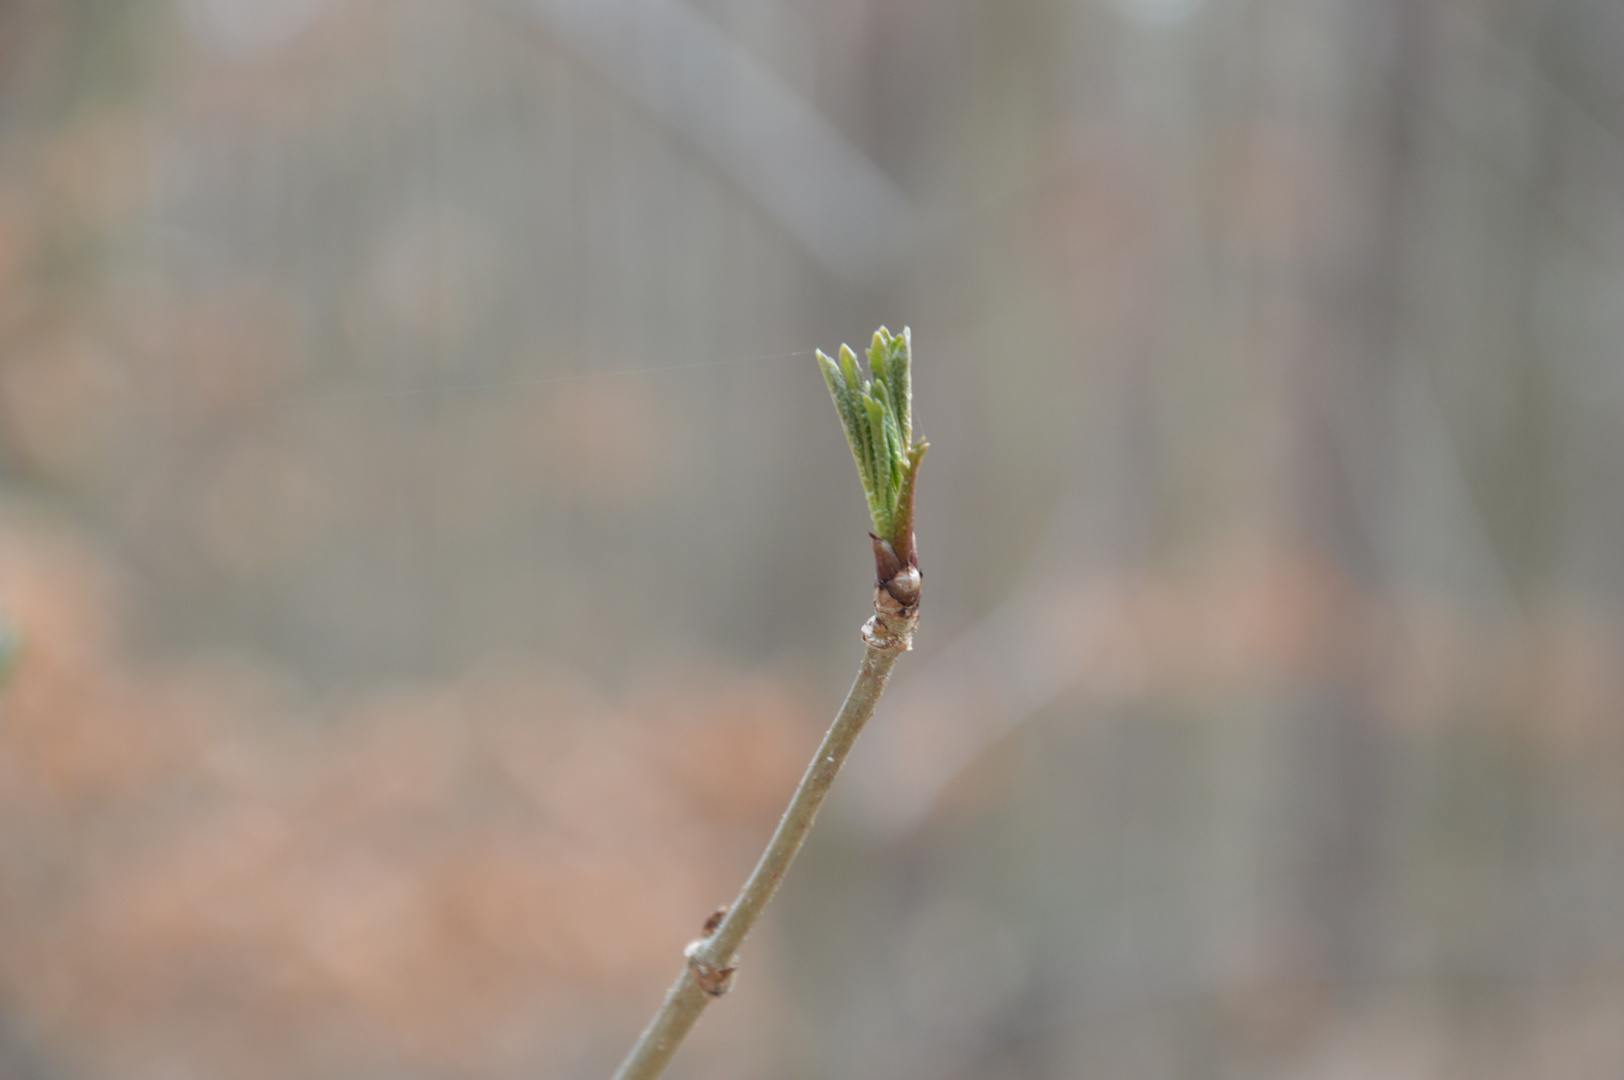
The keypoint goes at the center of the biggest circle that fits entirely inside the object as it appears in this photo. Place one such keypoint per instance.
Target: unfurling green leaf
(877, 413)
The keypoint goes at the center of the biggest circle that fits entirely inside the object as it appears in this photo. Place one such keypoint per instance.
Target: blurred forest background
(433, 553)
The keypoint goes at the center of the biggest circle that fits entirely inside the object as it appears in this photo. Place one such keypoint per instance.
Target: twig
(879, 428)
(711, 959)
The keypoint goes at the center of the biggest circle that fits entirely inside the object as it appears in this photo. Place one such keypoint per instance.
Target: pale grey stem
(711, 959)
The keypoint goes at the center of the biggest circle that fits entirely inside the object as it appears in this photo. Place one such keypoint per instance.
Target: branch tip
(876, 409)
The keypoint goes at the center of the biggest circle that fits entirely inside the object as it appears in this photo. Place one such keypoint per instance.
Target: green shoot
(876, 409)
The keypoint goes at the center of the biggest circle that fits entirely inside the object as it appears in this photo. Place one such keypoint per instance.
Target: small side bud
(903, 587)
(886, 563)
(715, 980)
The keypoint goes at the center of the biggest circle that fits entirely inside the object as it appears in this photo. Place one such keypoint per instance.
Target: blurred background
(428, 554)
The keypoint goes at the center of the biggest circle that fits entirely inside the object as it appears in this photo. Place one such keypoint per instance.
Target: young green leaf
(876, 409)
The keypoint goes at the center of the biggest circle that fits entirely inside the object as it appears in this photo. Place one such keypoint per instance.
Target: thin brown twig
(712, 959)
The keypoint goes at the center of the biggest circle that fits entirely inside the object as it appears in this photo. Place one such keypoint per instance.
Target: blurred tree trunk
(1347, 469)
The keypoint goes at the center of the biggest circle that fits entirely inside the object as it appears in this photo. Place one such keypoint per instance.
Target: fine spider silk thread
(543, 380)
